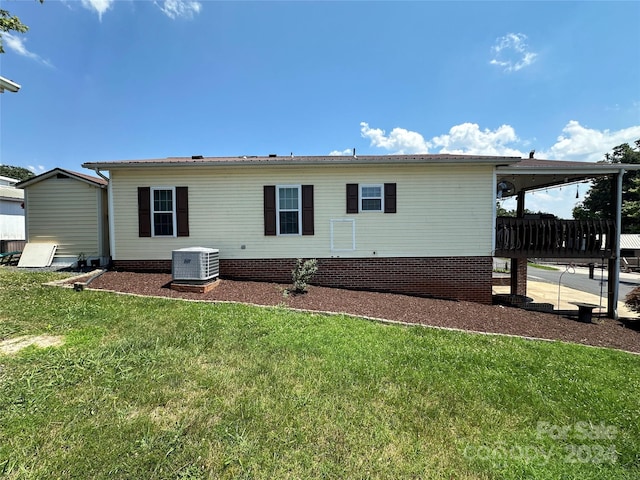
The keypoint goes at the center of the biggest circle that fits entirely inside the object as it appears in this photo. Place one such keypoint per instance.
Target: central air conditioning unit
(195, 264)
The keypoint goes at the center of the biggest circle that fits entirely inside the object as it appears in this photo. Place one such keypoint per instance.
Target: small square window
(371, 198)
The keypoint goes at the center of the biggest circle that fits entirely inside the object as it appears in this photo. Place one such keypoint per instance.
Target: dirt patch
(14, 345)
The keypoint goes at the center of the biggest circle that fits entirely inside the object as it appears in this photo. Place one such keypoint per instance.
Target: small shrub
(303, 273)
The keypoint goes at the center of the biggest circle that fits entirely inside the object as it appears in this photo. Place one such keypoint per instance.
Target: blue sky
(119, 80)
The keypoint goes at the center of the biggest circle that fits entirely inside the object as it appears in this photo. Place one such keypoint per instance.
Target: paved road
(578, 278)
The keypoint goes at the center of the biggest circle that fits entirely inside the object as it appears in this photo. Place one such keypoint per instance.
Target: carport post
(614, 262)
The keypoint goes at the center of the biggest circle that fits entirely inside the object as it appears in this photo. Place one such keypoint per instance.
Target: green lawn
(150, 388)
(542, 267)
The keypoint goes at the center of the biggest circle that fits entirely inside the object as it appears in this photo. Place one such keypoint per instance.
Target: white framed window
(288, 209)
(372, 198)
(163, 211)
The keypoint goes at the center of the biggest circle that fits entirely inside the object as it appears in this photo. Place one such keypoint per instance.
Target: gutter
(6, 84)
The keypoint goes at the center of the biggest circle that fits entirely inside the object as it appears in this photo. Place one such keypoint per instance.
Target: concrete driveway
(543, 287)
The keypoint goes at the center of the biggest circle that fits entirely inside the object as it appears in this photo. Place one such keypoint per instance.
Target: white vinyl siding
(11, 214)
(442, 211)
(12, 227)
(64, 211)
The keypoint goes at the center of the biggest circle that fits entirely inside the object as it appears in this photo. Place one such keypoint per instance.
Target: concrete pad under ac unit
(37, 255)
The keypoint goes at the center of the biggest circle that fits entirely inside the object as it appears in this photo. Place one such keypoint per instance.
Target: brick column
(518, 276)
(519, 265)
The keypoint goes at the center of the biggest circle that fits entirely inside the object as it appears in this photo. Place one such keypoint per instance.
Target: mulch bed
(399, 308)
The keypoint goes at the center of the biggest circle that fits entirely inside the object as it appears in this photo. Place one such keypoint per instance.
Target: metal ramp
(37, 255)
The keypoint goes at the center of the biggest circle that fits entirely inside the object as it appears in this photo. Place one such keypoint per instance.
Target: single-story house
(415, 224)
(68, 209)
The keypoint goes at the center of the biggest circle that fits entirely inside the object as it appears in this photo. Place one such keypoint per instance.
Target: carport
(520, 238)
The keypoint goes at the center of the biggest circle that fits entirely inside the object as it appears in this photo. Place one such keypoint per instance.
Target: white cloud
(512, 53)
(399, 141)
(577, 143)
(37, 170)
(336, 153)
(17, 45)
(179, 8)
(171, 8)
(100, 6)
(587, 144)
(467, 138)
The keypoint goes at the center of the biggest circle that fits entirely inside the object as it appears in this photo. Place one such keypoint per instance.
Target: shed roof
(83, 177)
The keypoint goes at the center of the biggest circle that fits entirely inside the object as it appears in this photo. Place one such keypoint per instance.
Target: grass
(542, 267)
(152, 388)
(529, 264)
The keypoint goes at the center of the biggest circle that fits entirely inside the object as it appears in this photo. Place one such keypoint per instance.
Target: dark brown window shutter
(182, 211)
(389, 198)
(352, 198)
(144, 211)
(307, 209)
(269, 210)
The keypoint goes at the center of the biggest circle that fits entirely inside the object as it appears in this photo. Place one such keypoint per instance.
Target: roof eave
(597, 169)
(303, 161)
(562, 171)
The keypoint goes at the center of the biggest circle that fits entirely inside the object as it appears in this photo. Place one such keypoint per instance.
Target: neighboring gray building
(11, 210)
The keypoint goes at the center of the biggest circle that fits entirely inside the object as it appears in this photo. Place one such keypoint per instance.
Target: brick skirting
(458, 278)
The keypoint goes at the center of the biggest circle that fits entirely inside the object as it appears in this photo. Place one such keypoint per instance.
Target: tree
(18, 173)
(11, 23)
(503, 212)
(598, 202)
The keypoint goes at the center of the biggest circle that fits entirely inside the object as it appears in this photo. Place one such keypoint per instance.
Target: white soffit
(37, 255)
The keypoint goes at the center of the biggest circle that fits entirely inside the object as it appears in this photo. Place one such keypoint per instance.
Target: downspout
(111, 233)
(26, 215)
(493, 214)
(104, 177)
